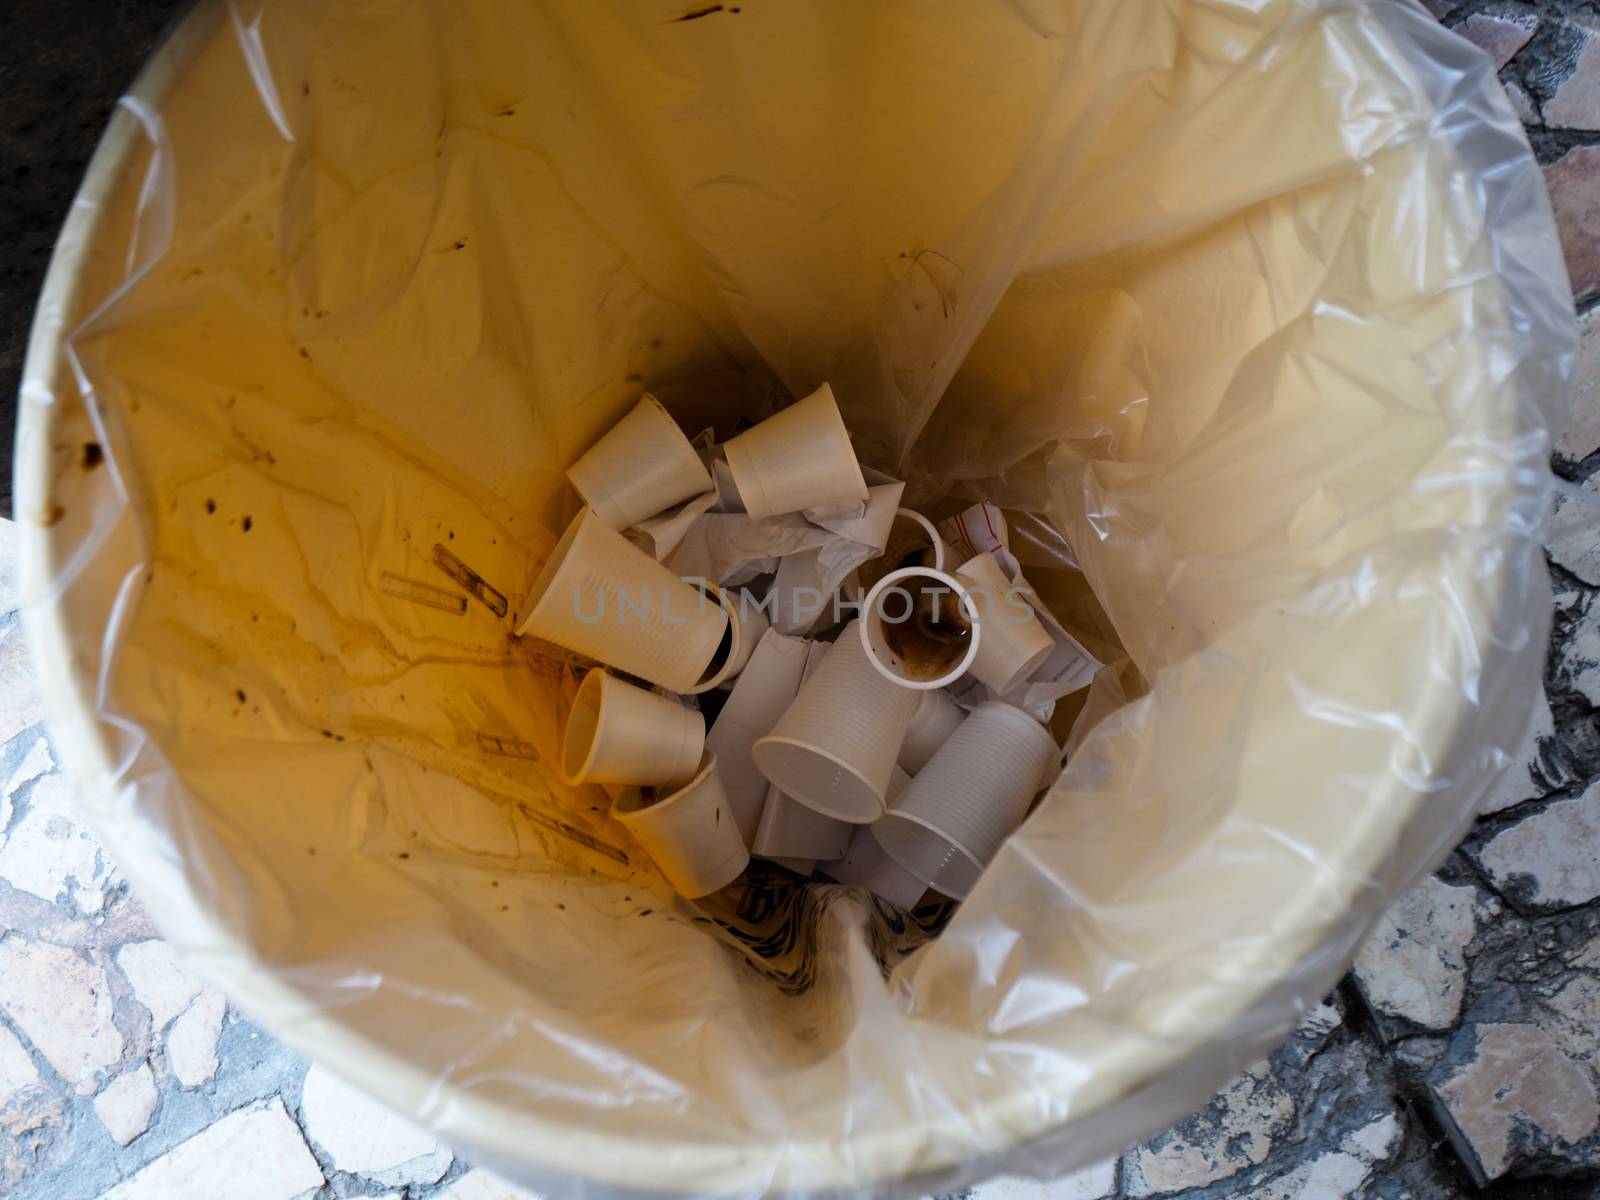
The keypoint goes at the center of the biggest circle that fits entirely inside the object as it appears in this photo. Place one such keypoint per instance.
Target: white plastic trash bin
(1258, 304)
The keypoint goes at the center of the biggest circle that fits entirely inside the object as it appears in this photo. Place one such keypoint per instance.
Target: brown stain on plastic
(93, 455)
(933, 639)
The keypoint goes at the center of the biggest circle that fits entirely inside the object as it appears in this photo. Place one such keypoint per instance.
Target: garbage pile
(885, 682)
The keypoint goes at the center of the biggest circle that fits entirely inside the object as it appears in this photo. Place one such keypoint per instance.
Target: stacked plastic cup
(865, 863)
(603, 597)
(800, 457)
(747, 625)
(691, 834)
(763, 692)
(936, 719)
(951, 819)
(642, 466)
(919, 628)
(834, 748)
(618, 733)
(790, 830)
(1014, 641)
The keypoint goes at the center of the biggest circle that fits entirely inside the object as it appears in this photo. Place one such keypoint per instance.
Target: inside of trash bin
(370, 277)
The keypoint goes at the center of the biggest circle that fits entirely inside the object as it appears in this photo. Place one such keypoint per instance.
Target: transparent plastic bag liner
(1259, 304)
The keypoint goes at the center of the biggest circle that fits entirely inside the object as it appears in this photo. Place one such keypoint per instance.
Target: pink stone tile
(1574, 183)
(1500, 35)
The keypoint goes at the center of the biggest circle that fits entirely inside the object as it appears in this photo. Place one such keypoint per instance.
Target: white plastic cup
(1014, 642)
(641, 467)
(913, 541)
(747, 625)
(866, 864)
(835, 746)
(912, 652)
(618, 733)
(800, 457)
(690, 834)
(789, 829)
(603, 597)
(935, 721)
(763, 691)
(950, 821)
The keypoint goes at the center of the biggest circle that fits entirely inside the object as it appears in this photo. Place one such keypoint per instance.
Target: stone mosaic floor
(1461, 1056)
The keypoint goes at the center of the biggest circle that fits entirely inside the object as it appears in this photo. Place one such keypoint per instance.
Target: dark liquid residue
(933, 639)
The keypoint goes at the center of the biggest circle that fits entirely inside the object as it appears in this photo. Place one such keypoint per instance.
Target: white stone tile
(255, 1153)
(1236, 1131)
(50, 855)
(1573, 538)
(1334, 1176)
(20, 705)
(127, 1103)
(192, 1040)
(61, 1003)
(1376, 1140)
(1519, 782)
(1091, 1183)
(485, 1185)
(1581, 437)
(1414, 964)
(16, 1067)
(1550, 858)
(10, 564)
(363, 1137)
(159, 982)
(1518, 1079)
(36, 762)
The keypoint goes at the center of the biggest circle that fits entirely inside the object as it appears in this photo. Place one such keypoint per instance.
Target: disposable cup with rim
(913, 541)
(760, 696)
(641, 467)
(919, 628)
(936, 719)
(790, 829)
(618, 733)
(867, 865)
(747, 625)
(951, 819)
(835, 746)
(603, 597)
(1014, 642)
(690, 834)
(800, 457)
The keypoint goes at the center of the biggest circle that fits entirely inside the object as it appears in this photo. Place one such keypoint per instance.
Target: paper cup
(642, 467)
(800, 457)
(618, 733)
(747, 625)
(1014, 643)
(919, 628)
(835, 747)
(789, 829)
(603, 597)
(949, 822)
(936, 719)
(690, 834)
